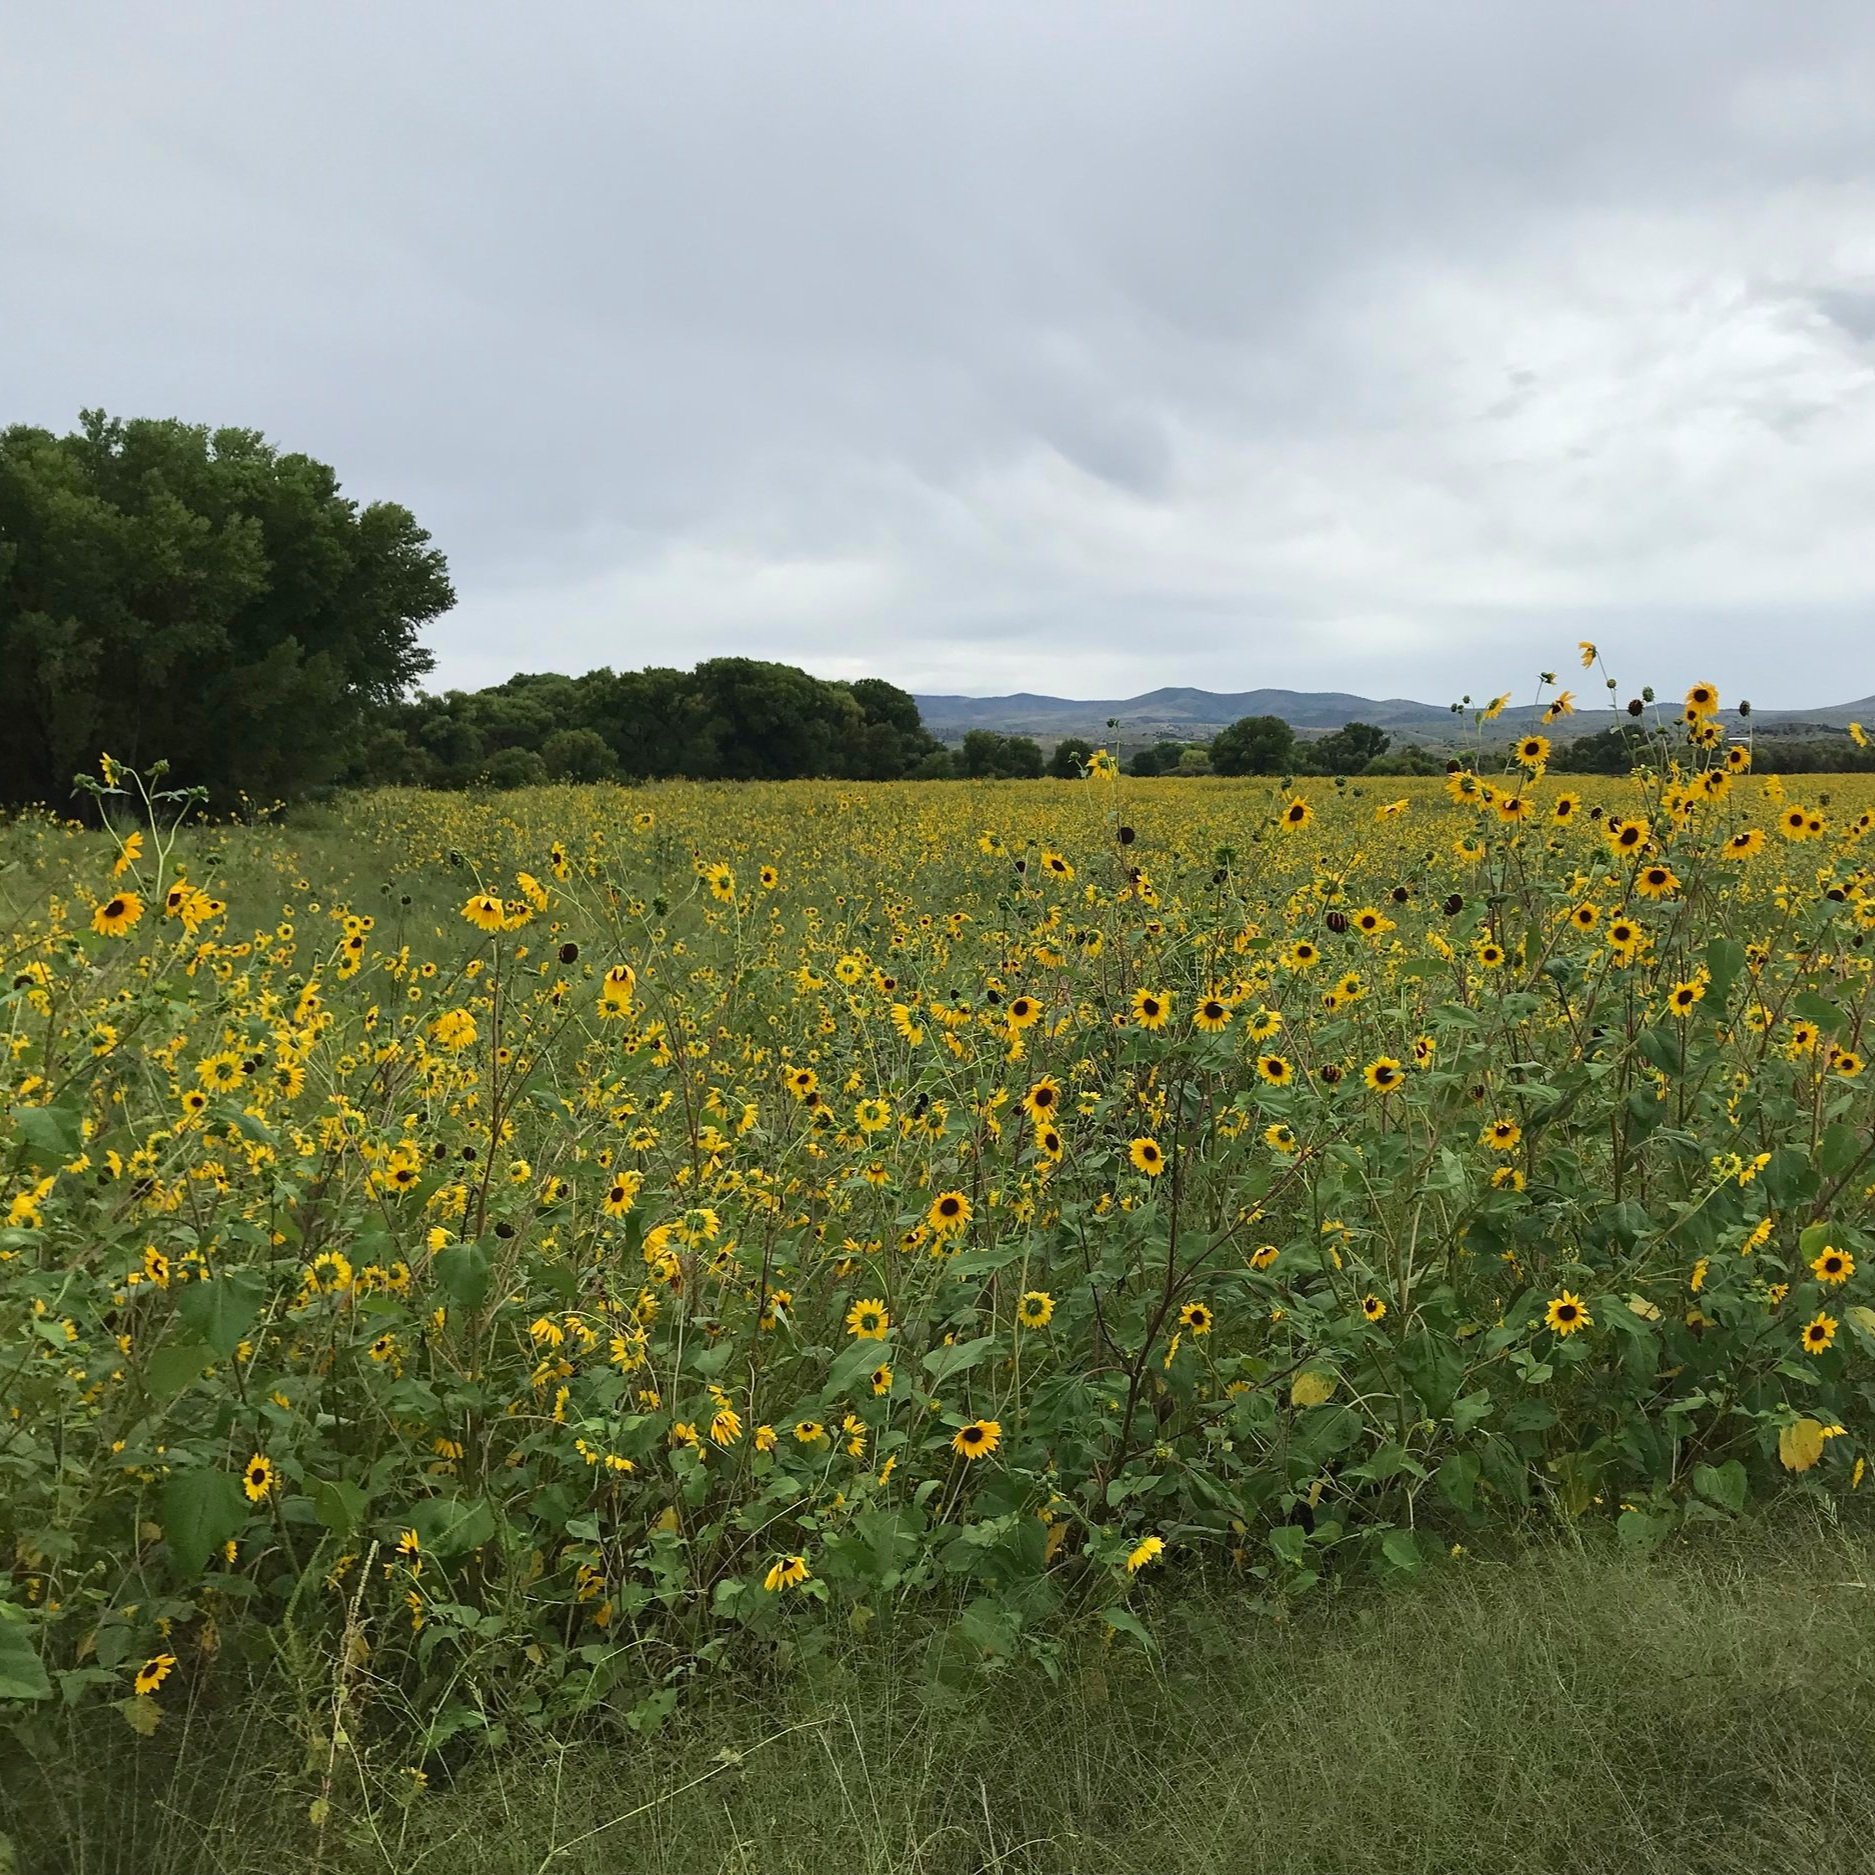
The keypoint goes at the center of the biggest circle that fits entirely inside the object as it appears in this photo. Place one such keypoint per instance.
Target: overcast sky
(1058, 347)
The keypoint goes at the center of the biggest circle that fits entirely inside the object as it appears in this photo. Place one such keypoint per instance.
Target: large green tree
(1253, 745)
(167, 590)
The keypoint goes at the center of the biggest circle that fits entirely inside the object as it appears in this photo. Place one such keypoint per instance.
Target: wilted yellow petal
(1647, 1311)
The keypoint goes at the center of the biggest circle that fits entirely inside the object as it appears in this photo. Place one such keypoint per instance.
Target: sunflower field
(492, 1257)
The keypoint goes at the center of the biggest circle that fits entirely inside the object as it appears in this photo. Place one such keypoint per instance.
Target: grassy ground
(1708, 1709)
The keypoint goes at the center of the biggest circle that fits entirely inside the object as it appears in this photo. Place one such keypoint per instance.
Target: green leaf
(1290, 1542)
(447, 1526)
(51, 1135)
(175, 1365)
(201, 1511)
(1458, 1480)
(1725, 958)
(957, 1358)
(339, 1505)
(22, 1672)
(221, 1312)
(1839, 1148)
(1122, 1621)
(1724, 1484)
(1402, 1550)
(852, 1366)
(1818, 1009)
(463, 1274)
(1662, 1048)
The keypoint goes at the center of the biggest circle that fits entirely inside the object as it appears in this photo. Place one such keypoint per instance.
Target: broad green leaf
(222, 1311)
(463, 1274)
(1813, 1007)
(1122, 1621)
(1723, 1484)
(339, 1505)
(22, 1672)
(202, 1509)
(447, 1526)
(51, 1135)
(957, 1357)
(176, 1365)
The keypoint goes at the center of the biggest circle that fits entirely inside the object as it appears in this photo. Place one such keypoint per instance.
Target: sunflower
(1743, 844)
(785, 1572)
(1373, 1308)
(219, 1073)
(1501, 1135)
(1383, 1075)
(117, 914)
(1035, 1309)
(1702, 700)
(1152, 1008)
(1533, 751)
(1683, 997)
(809, 1431)
(721, 881)
(868, 1320)
(257, 1479)
(622, 1193)
(978, 1439)
(485, 912)
(1196, 1317)
(1627, 836)
(949, 1213)
(1147, 1549)
(1489, 953)
(1566, 1314)
(1043, 1100)
(1832, 1265)
(454, 1029)
(1024, 1012)
(1656, 882)
(1281, 1137)
(1146, 1156)
(1295, 816)
(1585, 917)
(1275, 1069)
(153, 1673)
(1818, 1333)
(616, 989)
(1211, 1015)
(330, 1273)
(873, 1114)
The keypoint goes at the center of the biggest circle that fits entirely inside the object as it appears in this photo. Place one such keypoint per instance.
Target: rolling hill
(1184, 714)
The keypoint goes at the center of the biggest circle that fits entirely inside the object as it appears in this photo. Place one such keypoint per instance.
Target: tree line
(172, 591)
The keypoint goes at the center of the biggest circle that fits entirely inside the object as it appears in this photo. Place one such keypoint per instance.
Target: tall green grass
(1709, 1710)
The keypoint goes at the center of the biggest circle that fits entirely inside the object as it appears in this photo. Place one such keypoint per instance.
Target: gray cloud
(1049, 346)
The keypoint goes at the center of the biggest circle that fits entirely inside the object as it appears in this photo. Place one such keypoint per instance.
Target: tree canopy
(167, 590)
(729, 719)
(1253, 745)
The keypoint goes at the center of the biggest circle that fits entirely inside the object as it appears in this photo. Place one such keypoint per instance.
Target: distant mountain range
(1186, 715)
